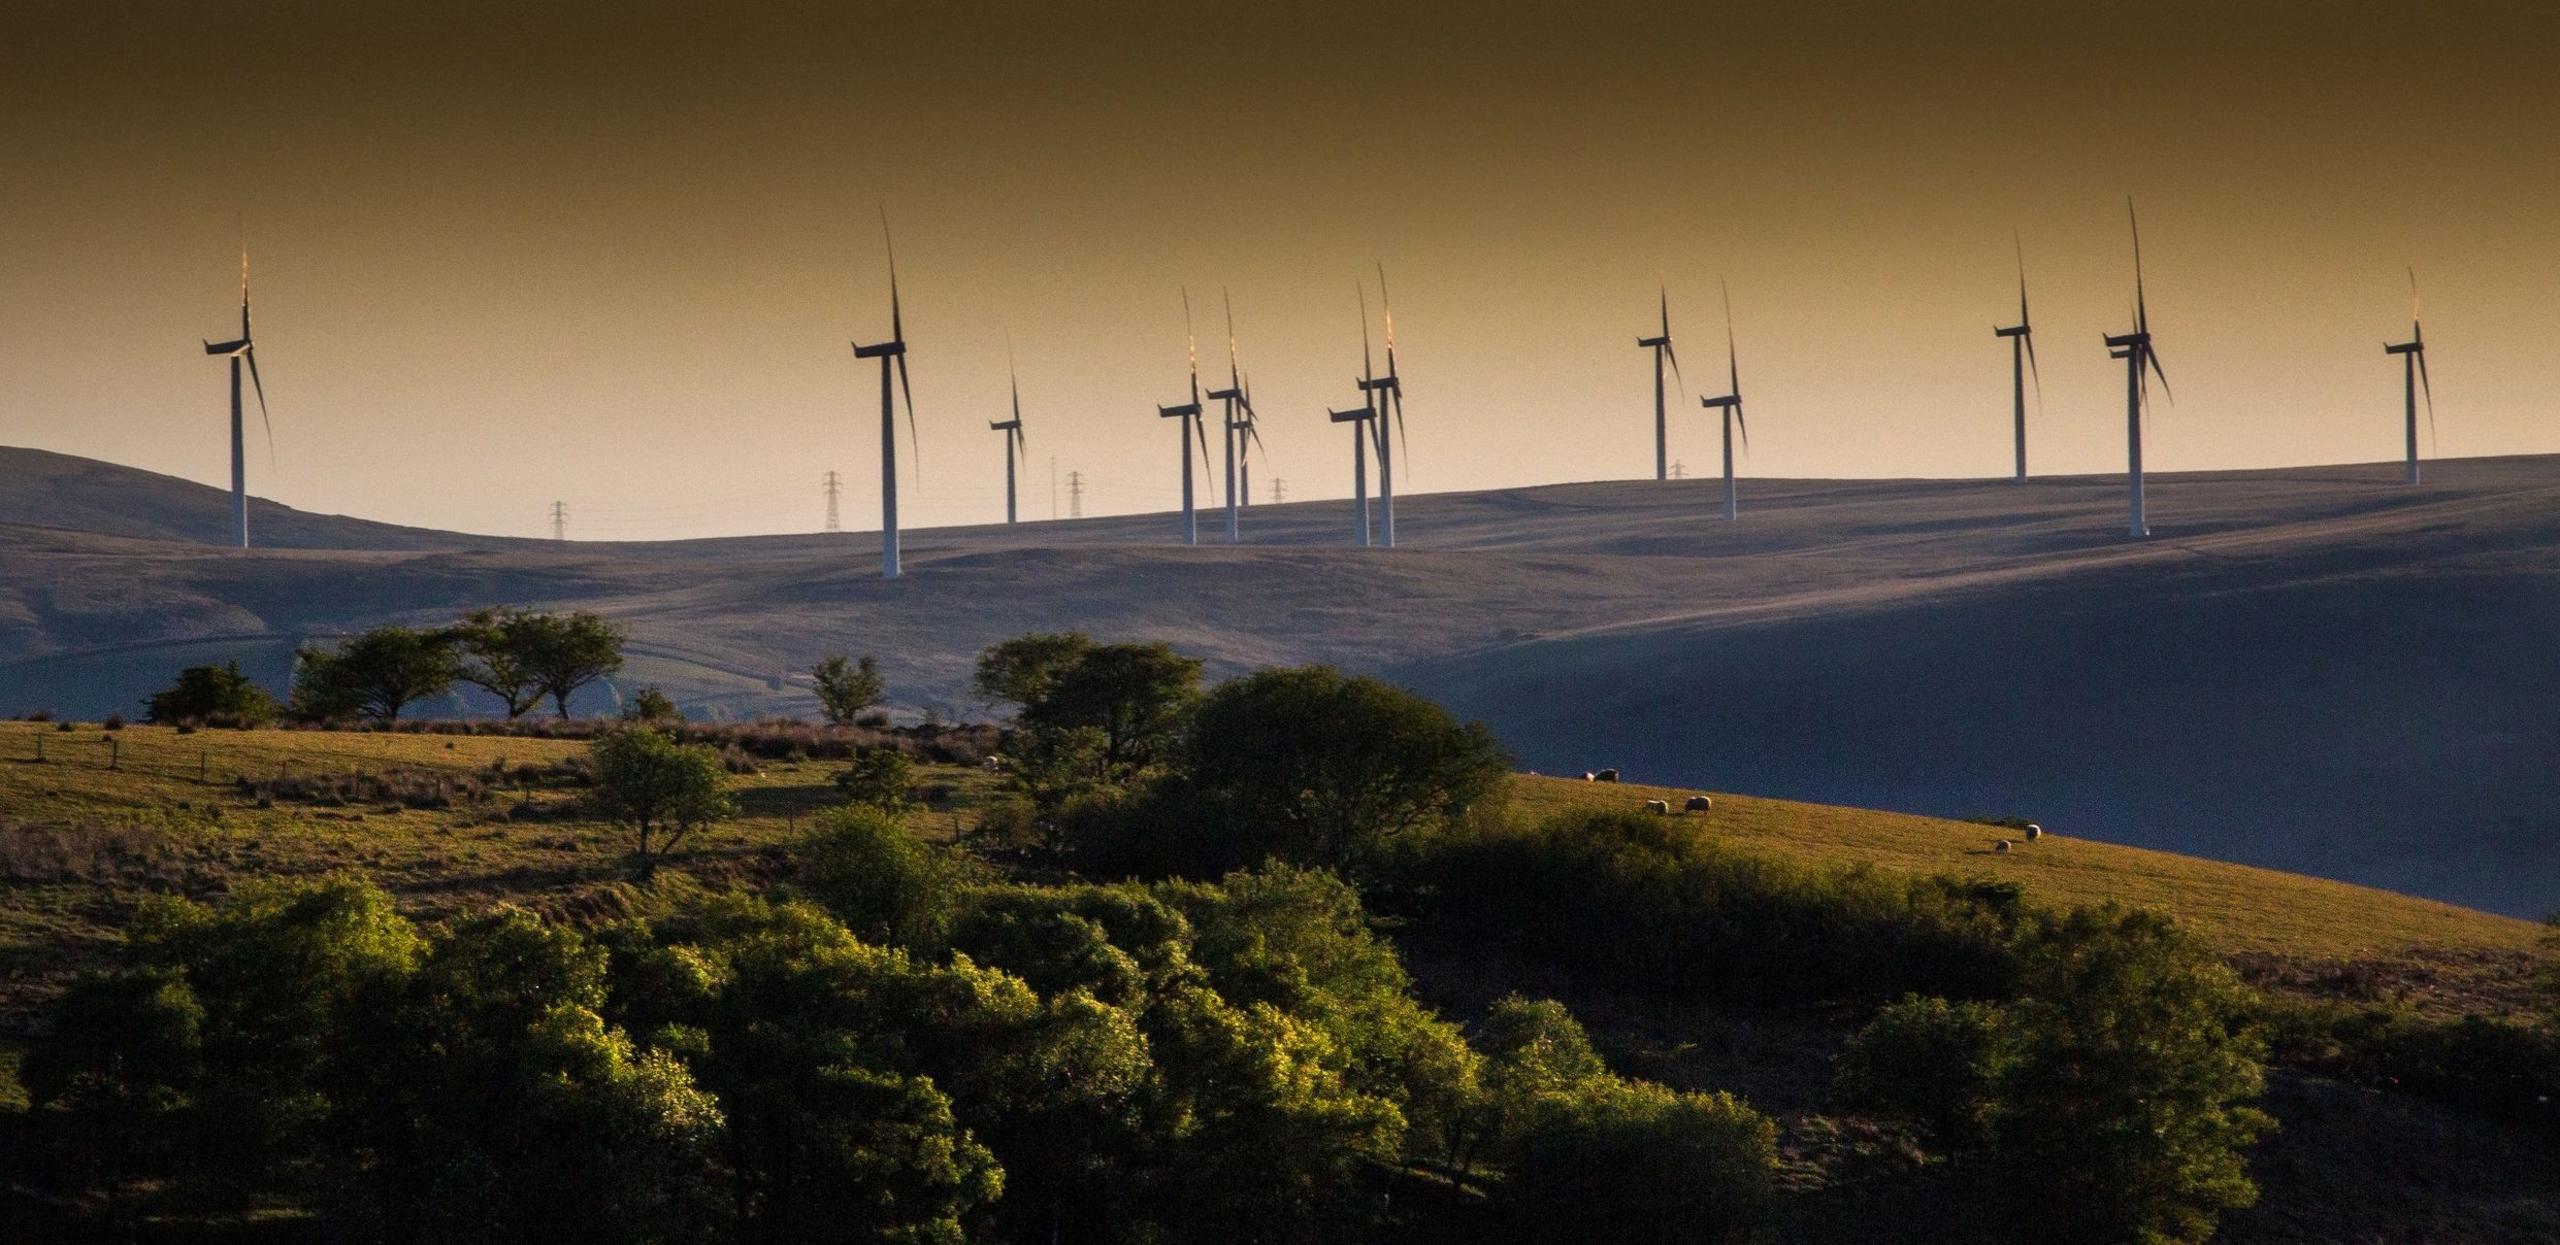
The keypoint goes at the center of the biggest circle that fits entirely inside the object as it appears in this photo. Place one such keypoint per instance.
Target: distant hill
(2317, 670)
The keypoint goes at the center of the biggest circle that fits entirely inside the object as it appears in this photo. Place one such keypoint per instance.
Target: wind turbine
(1189, 414)
(2413, 371)
(2022, 362)
(1661, 347)
(1249, 434)
(1359, 418)
(1385, 392)
(2136, 351)
(1730, 404)
(1014, 443)
(891, 352)
(1235, 398)
(242, 352)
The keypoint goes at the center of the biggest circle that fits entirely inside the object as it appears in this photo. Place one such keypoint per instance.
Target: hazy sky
(505, 257)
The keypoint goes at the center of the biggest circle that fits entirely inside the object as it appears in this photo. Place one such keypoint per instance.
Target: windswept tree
(212, 694)
(374, 675)
(497, 649)
(564, 652)
(846, 687)
(656, 790)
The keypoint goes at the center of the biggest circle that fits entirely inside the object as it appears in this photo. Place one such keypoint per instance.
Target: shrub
(652, 706)
(205, 693)
(1929, 1063)
(885, 885)
(374, 675)
(881, 778)
(1628, 1161)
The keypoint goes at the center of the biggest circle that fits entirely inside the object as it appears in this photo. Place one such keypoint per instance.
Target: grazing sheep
(1588, 776)
(2001, 847)
(2034, 832)
(1657, 806)
(1606, 775)
(1700, 804)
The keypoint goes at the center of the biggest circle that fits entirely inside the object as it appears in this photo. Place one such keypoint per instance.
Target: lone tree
(1326, 765)
(564, 652)
(498, 647)
(212, 693)
(846, 688)
(1134, 694)
(657, 790)
(375, 675)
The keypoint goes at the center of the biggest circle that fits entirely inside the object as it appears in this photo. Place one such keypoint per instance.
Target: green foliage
(657, 790)
(1629, 1161)
(561, 653)
(498, 649)
(374, 675)
(881, 778)
(651, 706)
(2125, 1082)
(212, 694)
(1652, 904)
(846, 688)
(1135, 695)
(2502, 1069)
(885, 885)
(1316, 767)
(1023, 669)
(1930, 1063)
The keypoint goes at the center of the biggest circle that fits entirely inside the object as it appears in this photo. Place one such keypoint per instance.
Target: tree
(212, 694)
(846, 688)
(1930, 1063)
(497, 648)
(374, 675)
(1322, 766)
(2126, 1082)
(1021, 670)
(657, 790)
(880, 778)
(1135, 694)
(652, 706)
(1631, 1161)
(562, 653)
(885, 885)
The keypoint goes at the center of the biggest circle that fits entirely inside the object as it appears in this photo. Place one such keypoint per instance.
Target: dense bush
(1650, 904)
(846, 688)
(881, 778)
(1929, 1063)
(2502, 1069)
(657, 791)
(212, 694)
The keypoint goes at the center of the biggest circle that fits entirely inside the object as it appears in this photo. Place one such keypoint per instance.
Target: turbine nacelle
(1007, 425)
(2127, 341)
(1184, 411)
(1647, 343)
(223, 348)
(2387, 348)
(1224, 395)
(879, 350)
(1729, 400)
(2015, 330)
(1387, 382)
(1354, 415)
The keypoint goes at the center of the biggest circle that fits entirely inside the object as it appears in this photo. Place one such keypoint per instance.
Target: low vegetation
(1287, 959)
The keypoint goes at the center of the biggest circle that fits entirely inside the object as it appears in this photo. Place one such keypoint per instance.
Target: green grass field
(81, 842)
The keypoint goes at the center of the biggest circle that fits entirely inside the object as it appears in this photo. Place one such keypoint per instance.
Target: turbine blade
(1742, 425)
(1404, 443)
(2141, 313)
(1201, 426)
(251, 356)
(1234, 373)
(1013, 379)
(2428, 388)
(1191, 343)
(2152, 358)
(1367, 370)
(2022, 278)
(244, 289)
(2032, 373)
(1666, 311)
(2413, 294)
(915, 444)
(897, 321)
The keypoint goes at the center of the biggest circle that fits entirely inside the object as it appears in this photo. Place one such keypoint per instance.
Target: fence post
(39, 749)
(115, 750)
(203, 758)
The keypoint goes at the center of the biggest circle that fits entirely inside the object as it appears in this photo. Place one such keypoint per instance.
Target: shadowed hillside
(2313, 669)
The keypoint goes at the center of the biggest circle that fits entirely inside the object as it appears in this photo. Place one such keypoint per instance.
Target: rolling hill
(2315, 670)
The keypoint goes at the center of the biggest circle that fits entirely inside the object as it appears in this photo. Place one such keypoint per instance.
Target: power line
(1279, 490)
(1053, 487)
(1679, 470)
(835, 485)
(559, 520)
(1075, 494)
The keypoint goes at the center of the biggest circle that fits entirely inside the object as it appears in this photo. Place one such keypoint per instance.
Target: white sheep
(1658, 806)
(2034, 832)
(1701, 804)
(2001, 847)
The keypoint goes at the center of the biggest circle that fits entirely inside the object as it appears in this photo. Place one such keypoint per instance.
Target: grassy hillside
(80, 842)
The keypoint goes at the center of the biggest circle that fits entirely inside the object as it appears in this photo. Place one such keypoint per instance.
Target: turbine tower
(1014, 444)
(1235, 400)
(1249, 439)
(1189, 414)
(889, 353)
(1729, 406)
(2413, 373)
(2140, 363)
(2022, 363)
(1358, 417)
(241, 352)
(1385, 392)
(1660, 344)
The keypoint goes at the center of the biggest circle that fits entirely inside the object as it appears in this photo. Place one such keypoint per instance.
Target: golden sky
(503, 258)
